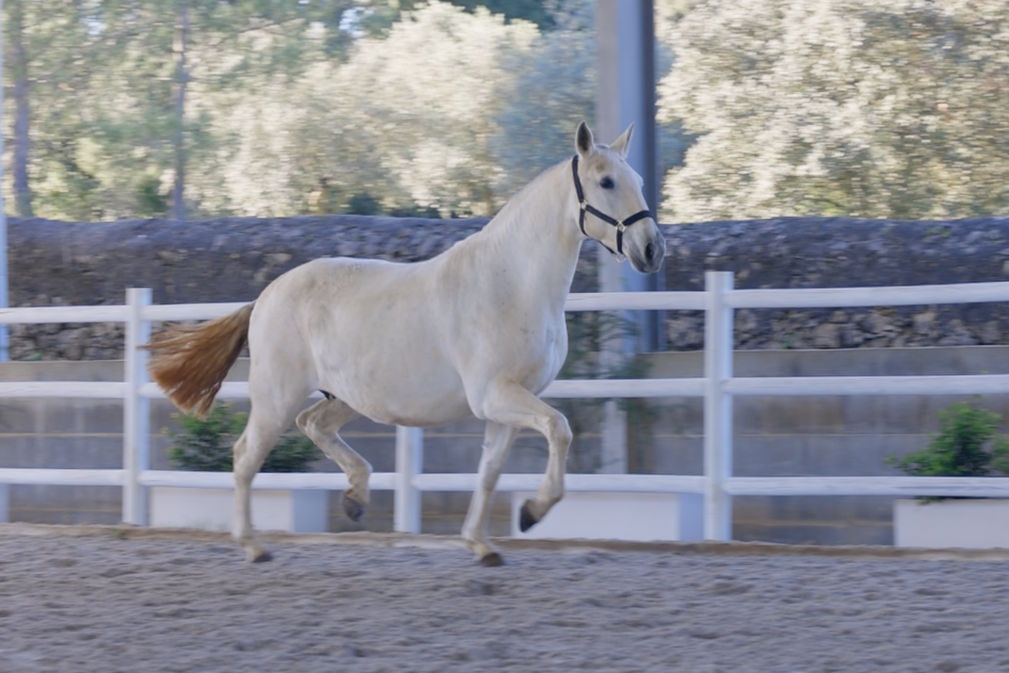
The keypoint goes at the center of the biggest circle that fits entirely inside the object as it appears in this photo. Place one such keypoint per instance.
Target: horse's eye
(607, 183)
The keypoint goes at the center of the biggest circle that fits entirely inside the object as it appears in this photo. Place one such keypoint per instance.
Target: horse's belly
(402, 408)
(400, 392)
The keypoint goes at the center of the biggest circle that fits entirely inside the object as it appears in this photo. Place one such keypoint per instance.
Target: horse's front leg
(497, 440)
(511, 404)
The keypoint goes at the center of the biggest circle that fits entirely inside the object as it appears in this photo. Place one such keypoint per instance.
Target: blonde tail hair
(189, 363)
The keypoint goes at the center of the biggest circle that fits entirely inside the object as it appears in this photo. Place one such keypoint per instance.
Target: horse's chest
(542, 353)
(536, 336)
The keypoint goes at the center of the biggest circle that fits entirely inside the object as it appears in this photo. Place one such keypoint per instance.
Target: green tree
(137, 88)
(840, 107)
(447, 110)
(44, 42)
(142, 108)
(550, 89)
(412, 112)
(534, 11)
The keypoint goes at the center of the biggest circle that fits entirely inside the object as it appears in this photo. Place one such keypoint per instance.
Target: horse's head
(613, 210)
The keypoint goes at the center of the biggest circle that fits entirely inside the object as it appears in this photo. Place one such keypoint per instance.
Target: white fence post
(718, 343)
(136, 409)
(409, 463)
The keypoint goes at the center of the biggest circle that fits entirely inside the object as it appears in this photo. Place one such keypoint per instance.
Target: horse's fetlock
(556, 496)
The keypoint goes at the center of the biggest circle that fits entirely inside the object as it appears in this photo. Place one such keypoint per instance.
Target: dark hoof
(263, 558)
(352, 508)
(526, 519)
(492, 560)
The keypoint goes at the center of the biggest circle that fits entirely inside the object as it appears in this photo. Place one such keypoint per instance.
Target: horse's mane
(520, 222)
(528, 199)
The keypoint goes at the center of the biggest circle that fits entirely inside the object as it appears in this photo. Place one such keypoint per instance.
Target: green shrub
(206, 445)
(966, 445)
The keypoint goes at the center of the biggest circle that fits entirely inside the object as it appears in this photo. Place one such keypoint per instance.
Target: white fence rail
(718, 386)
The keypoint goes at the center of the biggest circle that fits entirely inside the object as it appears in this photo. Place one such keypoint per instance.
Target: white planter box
(298, 511)
(637, 517)
(968, 524)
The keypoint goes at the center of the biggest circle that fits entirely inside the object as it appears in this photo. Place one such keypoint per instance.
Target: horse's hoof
(261, 557)
(352, 508)
(492, 560)
(526, 519)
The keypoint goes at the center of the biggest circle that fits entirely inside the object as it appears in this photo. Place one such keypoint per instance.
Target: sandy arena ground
(101, 600)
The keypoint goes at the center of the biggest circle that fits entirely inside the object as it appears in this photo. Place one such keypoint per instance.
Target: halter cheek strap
(584, 207)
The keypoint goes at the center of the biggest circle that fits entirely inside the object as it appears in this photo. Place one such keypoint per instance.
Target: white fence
(718, 386)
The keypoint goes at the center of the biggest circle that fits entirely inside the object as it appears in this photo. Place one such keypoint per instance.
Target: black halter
(621, 225)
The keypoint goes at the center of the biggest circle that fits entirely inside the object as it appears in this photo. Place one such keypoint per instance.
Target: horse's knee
(244, 468)
(560, 432)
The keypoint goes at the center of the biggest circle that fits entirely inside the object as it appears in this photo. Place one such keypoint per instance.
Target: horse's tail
(190, 363)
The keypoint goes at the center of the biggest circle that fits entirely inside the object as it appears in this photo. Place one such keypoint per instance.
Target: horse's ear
(583, 140)
(623, 144)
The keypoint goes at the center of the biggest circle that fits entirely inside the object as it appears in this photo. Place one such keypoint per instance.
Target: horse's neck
(536, 235)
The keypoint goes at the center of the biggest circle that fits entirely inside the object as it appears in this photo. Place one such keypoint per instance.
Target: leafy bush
(966, 446)
(206, 445)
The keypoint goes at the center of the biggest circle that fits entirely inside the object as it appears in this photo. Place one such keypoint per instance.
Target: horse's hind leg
(321, 422)
(260, 435)
(497, 440)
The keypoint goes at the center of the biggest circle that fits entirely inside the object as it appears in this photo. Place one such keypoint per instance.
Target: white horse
(477, 330)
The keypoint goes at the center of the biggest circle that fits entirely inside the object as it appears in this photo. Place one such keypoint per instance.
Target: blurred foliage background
(896, 109)
(190, 109)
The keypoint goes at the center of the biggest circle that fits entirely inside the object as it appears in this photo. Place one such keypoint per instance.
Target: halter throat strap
(584, 207)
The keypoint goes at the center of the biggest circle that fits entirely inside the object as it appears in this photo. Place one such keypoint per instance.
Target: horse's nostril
(649, 252)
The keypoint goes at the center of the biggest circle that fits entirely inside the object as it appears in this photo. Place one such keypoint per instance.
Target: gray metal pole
(4, 341)
(625, 93)
(4, 334)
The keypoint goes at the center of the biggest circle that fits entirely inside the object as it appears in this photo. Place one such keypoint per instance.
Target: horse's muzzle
(648, 257)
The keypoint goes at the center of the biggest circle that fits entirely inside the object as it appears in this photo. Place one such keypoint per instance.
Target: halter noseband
(584, 207)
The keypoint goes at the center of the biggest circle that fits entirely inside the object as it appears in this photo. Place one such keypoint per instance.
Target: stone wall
(61, 263)
(841, 252)
(58, 263)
